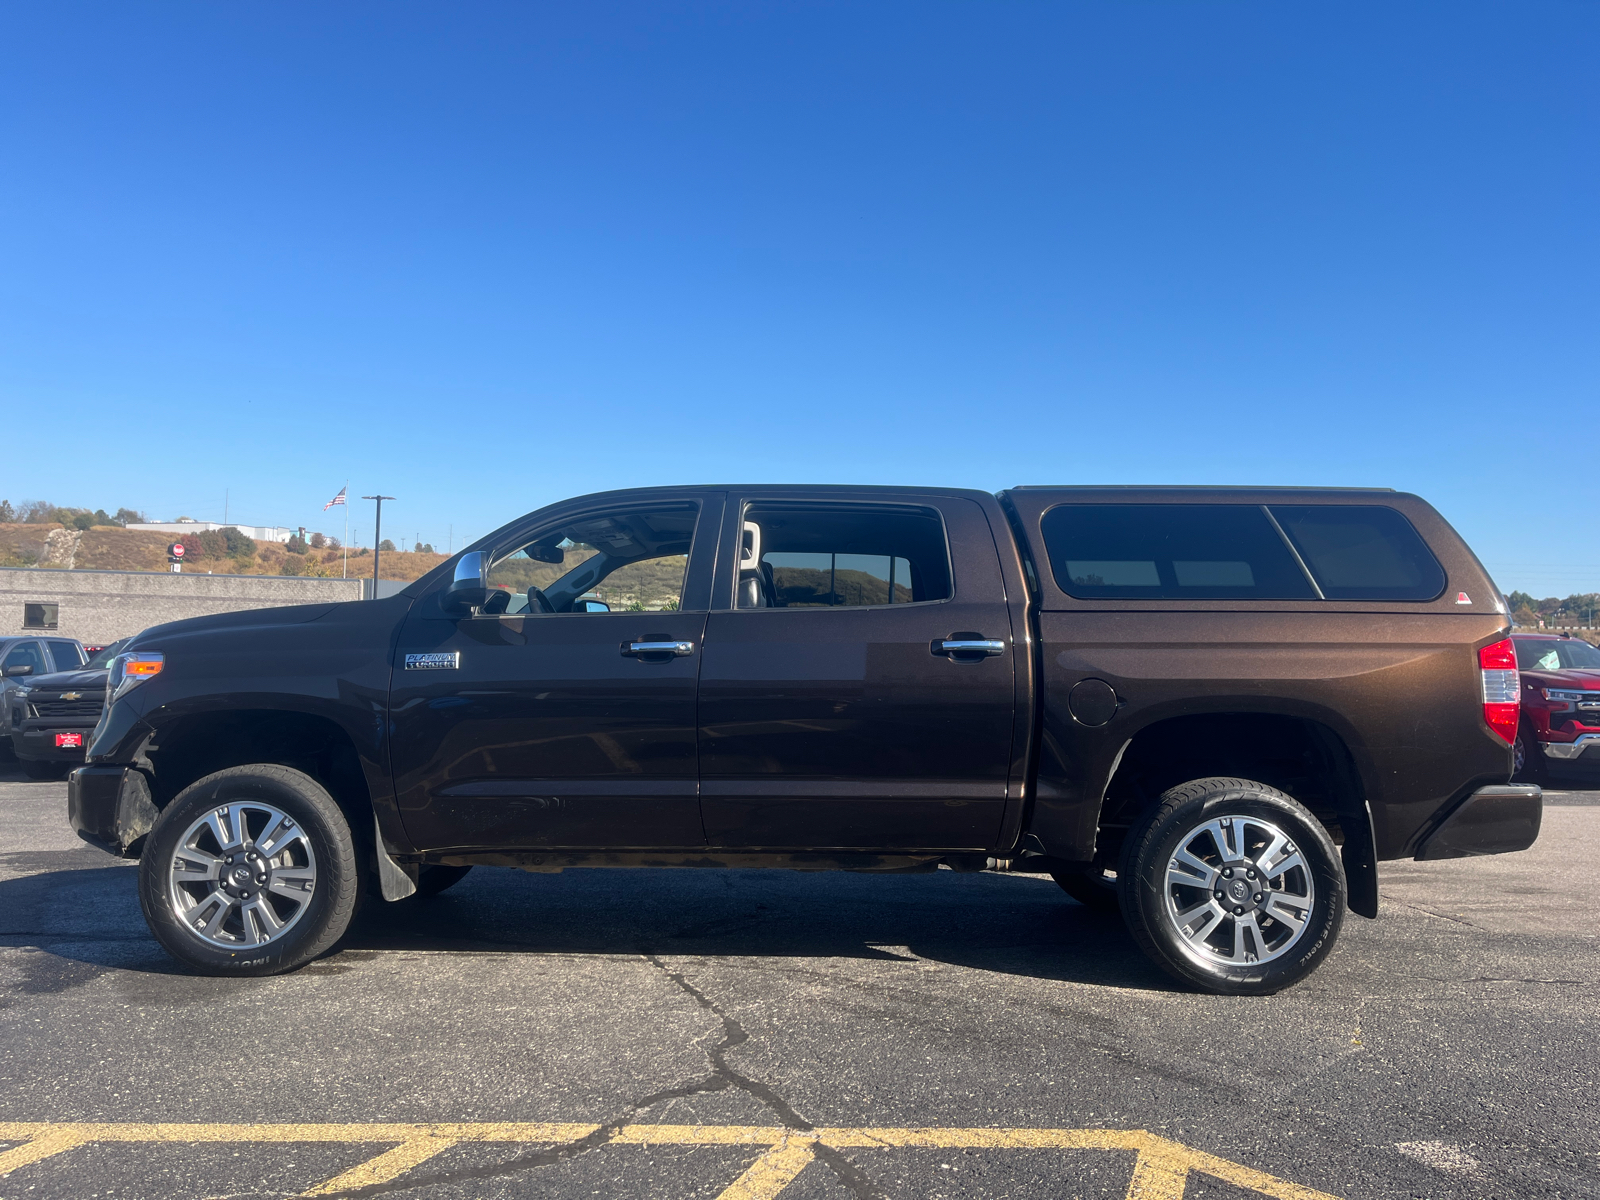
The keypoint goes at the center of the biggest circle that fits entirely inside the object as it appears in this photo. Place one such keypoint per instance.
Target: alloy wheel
(242, 875)
(1238, 891)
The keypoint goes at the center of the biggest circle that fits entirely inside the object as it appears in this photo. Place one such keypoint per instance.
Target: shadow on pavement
(82, 906)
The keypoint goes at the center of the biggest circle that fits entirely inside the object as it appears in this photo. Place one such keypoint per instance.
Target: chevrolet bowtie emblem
(72, 695)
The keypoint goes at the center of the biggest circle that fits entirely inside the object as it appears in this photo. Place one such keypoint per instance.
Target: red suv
(1560, 706)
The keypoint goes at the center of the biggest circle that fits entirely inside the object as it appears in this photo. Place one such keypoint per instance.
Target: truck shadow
(1011, 925)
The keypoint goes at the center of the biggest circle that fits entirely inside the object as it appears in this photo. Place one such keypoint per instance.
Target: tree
(318, 541)
(424, 548)
(35, 512)
(334, 543)
(7, 513)
(296, 545)
(239, 546)
(386, 544)
(129, 516)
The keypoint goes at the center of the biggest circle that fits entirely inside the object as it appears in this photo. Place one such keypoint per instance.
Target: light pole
(377, 539)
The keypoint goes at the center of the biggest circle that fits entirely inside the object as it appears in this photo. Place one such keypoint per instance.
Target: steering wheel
(538, 602)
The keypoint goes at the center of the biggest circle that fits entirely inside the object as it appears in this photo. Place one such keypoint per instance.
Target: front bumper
(1493, 820)
(40, 744)
(1567, 751)
(110, 807)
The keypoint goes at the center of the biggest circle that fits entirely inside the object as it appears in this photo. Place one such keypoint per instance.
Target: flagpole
(345, 571)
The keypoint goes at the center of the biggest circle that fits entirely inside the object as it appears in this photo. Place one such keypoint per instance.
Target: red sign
(68, 741)
(176, 549)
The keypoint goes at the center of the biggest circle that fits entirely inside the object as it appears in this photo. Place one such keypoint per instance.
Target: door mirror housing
(470, 587)
(588, 606)
(17, 672)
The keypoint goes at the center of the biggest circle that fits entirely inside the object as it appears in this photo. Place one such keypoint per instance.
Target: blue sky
(482, 257)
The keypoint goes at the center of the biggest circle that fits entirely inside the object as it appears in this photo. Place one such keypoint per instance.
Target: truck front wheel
(1233, 887)
(250, 871)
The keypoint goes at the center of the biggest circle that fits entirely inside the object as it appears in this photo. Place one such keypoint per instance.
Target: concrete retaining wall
(97, 607)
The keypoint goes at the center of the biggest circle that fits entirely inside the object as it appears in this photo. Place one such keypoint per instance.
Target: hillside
(112, 548)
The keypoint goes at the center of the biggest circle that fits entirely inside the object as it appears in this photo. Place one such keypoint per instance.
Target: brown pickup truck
(1211, 710)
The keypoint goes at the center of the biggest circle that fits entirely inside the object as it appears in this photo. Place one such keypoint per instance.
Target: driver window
(26, 655)
(624, 561)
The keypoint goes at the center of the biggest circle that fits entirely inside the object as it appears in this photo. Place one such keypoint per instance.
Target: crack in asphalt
(721, 1077)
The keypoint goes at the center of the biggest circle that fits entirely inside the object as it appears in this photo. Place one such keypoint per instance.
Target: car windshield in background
(102, 658)
(1238, 552)
(1547, 654)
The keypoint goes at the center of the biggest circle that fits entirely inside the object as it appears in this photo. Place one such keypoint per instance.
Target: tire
(434, 879)
(1191, 847)
(41, 768)
(262, 913)
(1528, 759)
(1095, 891)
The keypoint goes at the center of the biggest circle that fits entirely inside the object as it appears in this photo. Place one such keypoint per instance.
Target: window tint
(1171, 552)
(841, 556)
(41, 616)
(1542, 654)
(1362, 551)
(617, 561)
(67, 655)
(27, 654)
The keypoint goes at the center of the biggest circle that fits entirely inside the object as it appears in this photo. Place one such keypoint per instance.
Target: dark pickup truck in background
(1214, 710)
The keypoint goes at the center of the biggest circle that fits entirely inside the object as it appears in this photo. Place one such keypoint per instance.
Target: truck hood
(1574, 679)
(67, 680)
(233, 622)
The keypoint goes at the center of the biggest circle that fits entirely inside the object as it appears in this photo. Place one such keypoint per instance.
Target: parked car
(27, 656)
(1214, 710)
(1559, 737)
(50, 718)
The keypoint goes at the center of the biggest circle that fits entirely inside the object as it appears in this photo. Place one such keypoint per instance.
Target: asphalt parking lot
(656, 1033)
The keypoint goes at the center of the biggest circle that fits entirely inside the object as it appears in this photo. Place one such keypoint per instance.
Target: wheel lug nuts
(1228, 874)
(1219, 895)
(1258, 897)
(1249, 874)
(1238, 912)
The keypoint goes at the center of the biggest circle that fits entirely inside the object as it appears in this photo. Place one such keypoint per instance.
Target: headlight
(1558, 694)
(128, 671)
(23, 693)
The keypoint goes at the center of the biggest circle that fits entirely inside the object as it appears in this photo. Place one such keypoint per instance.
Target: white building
(261, 533)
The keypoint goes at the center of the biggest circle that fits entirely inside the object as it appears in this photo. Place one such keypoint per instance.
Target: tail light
(1502, 689)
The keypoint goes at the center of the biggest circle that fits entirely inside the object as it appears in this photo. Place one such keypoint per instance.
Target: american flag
(339, 499)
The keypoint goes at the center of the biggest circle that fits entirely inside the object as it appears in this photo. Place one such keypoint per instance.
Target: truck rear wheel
(250, 871)
(1233, 887)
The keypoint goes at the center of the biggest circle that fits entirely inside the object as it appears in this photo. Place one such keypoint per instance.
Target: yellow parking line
(1161, 1167)
(37, 1147)
(773, 1171)
(386, 1166)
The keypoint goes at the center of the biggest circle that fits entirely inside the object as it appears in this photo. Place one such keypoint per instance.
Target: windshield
(1540, 654)
(102, 658)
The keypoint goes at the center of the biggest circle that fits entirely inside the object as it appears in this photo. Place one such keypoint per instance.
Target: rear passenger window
(1171, 552)
(795, 556)
(67, 655)
(1362, 551)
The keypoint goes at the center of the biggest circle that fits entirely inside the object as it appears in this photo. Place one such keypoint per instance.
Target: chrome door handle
(678, 649)
(984, 646)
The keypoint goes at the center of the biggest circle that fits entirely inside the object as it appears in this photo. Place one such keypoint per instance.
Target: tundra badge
(445, 661)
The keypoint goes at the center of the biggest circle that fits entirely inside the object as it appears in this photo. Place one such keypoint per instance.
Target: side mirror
(17, 671)
(470, 588)
(588, 606)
